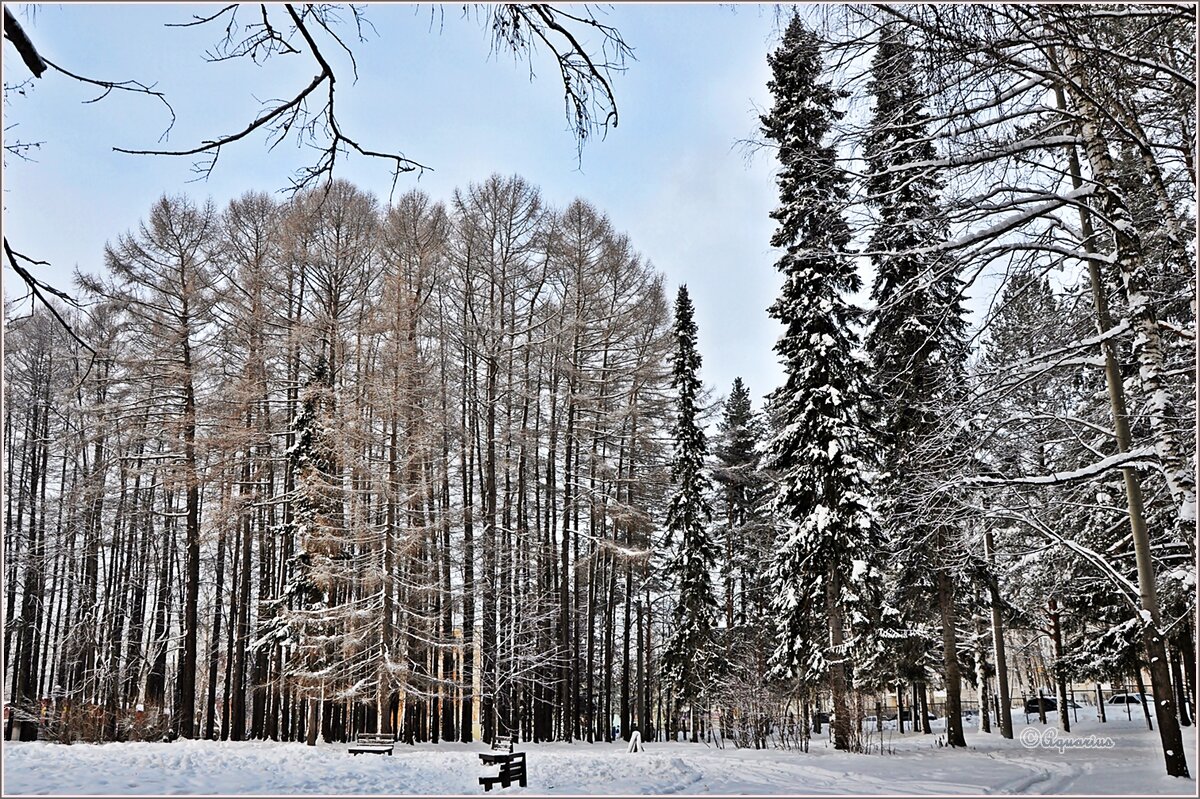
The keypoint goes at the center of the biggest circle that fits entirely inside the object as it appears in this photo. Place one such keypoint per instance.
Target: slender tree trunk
(238, 709)
(448, 721)
(1005, 720)
(214, 647)
(311, 727)
(1148, 354)
(467, 725)
(566, 660)
(1060, 675)
(32, 590)
(1180, 689)
(838, 687)
(985, 717)
(186, 679)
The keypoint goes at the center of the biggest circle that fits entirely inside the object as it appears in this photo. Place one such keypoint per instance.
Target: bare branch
(29, 54)
(109, 86)
(37, 287)
(201, 20)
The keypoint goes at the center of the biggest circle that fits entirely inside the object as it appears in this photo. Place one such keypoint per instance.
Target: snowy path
(918, 766)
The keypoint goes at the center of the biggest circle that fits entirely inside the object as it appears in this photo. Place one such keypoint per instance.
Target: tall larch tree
(824, 568)
(163, 280)
(690, 659)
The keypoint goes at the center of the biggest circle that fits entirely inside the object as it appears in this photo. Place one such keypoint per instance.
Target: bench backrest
(374, 738)
(514, 765)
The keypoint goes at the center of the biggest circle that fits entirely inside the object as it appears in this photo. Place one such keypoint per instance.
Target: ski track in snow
(918, 766)
(1042, 777)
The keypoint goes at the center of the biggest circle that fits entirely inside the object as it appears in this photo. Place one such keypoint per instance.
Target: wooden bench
(374, 743)
(512, 769)
(502, 744)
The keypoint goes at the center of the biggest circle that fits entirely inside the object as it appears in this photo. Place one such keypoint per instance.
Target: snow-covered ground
(912, 764)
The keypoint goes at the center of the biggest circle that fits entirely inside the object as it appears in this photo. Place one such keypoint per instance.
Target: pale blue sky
(670, 175)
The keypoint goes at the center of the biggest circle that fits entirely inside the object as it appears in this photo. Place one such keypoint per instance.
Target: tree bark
(1005, 720)
(954, 725)
(1060, 674)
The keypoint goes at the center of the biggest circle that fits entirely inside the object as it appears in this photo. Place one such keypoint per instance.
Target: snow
(913, 763)
(1119, 460)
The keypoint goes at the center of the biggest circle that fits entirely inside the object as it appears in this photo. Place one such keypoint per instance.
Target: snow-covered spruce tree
(690, 658)
(294, 618)
(916, 338)
(327, 624)
(1115, 77)
(824, 572)
(740, 505)
(742, 490)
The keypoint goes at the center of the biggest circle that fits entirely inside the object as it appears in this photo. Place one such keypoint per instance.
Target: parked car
(1050, 704)
(1129, 699)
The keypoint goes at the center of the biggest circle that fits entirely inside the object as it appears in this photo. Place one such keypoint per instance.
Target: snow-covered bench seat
(374, 743)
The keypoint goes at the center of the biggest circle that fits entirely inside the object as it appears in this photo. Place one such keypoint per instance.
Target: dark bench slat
(505, 780)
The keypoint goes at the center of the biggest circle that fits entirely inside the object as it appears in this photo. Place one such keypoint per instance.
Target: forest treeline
(316, 436)
(338, 466)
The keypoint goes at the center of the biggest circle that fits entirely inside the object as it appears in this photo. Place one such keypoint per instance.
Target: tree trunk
(837, 667)
(954, 725)
(186, 678)
(1180, 690)
(467, 460)
(1060, 673)
(214, 647)
(985, 717)
(311, 726)
(238, 705)
(1148, 354)
(1005, 720)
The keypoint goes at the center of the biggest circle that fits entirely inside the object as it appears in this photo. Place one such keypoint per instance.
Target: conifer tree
(824, 570)
(299, 619)
(916, 340)
(327, 624)
(690, 660)
(742, 489)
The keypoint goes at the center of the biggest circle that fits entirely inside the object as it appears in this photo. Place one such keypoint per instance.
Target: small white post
(635, 742)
